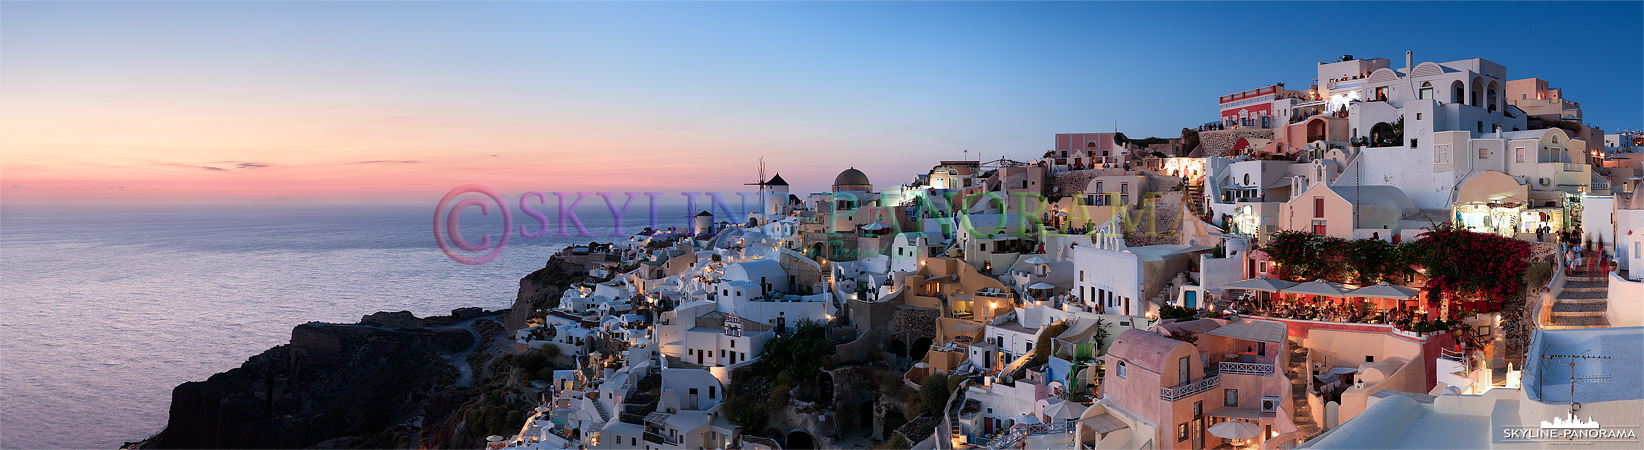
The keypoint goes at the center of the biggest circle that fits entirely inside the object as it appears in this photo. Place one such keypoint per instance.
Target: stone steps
(1560, 322)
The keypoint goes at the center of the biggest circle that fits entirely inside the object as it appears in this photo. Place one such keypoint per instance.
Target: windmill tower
(773, 194)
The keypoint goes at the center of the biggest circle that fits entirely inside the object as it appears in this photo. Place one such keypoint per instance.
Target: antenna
(1574, 405)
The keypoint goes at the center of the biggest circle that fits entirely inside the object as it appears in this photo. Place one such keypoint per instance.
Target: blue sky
(813, 87)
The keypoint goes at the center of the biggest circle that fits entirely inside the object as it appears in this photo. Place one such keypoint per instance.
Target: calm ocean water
(105, 309)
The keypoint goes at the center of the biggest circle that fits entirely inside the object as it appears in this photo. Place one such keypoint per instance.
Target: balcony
(658, 439)
(1189, 389)
(1244, 368)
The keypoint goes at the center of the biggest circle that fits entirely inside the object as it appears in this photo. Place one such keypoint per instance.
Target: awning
(1103, 423)
(1235, 413)
(1492, 186)
(1253, 330)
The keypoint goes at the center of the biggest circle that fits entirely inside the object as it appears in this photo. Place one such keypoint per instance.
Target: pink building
(1228, 373)
(1087, 150)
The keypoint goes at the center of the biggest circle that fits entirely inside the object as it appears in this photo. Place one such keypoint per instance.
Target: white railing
(1018, 433)
(1185, 390)
(1244, 368)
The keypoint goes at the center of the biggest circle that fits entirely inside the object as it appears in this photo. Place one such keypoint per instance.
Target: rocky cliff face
(330, 382)
(542, 288)
(384, 382)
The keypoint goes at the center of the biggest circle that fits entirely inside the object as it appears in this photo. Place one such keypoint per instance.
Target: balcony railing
(658, 439)
(1244, 368)
(1188, 389)
(1018, 433)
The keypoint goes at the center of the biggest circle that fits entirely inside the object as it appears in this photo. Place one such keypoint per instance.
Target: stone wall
(1220, 142)
(913, 322)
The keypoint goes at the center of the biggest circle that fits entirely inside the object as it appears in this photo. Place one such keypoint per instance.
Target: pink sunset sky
(200, 102)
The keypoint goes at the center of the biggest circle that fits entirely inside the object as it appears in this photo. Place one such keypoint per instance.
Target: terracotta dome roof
(851, 177)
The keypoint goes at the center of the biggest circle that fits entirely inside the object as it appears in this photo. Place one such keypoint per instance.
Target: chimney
(1409, 61)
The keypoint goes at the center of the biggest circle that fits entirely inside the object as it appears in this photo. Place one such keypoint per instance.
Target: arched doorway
(893, 420)
(919, 348)
(799, 439)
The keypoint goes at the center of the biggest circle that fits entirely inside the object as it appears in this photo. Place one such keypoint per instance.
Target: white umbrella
(1384, 290)
(1319, 287)
(1026, 419)
(1042, 285)
(1035, 260)
(875, 226)
(1261, 283)
(1063, 410)
(1235, 429)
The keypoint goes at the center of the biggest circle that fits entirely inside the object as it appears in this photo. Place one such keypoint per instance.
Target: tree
(1042, 346)
(798, 354)
(933, 394)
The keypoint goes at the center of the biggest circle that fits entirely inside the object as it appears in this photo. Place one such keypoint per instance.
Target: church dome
(851, 178)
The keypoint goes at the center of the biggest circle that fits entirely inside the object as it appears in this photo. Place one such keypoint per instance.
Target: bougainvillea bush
(1458, 262)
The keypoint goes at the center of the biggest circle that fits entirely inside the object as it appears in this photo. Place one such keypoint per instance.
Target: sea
(105, 309)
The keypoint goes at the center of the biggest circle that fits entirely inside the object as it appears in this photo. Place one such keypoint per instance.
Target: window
(1318, 207)
(1369, 358)
(983, 247)
(722, 353)
(1480, 125)
(733, 343)
(1412, 142)
(1121, 371)
(1441, 154)
(1198, 408)
(1231, 399)
(1024, 184)
(1081, 275)
(1181, 432)
(1247, 179)
(1319, 227)
(1263, 267)
(1029, 346)
(1418, 116)
(1483, 153)
(1124, 188)
(711, 392)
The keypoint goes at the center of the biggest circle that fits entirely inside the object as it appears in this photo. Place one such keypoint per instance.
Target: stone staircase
(1583, 303)
(1194, 198)
(1296, 367)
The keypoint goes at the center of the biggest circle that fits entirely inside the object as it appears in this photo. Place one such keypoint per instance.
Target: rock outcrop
(335, 384)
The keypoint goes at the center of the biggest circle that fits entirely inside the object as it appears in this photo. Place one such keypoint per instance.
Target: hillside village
(1402, 255)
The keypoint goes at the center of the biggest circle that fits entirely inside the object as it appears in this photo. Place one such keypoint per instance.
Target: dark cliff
(331, 381)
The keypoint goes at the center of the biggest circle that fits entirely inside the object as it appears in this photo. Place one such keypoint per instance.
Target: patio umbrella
(1035, 260)
(1063, 411)
(1319, 287)
(1026, 419)
(1042, 285)
(1261, 283)
(1235, 429)
(1384, 290)
(875, 226)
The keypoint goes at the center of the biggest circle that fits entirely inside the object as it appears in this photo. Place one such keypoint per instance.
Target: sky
(230, 102)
